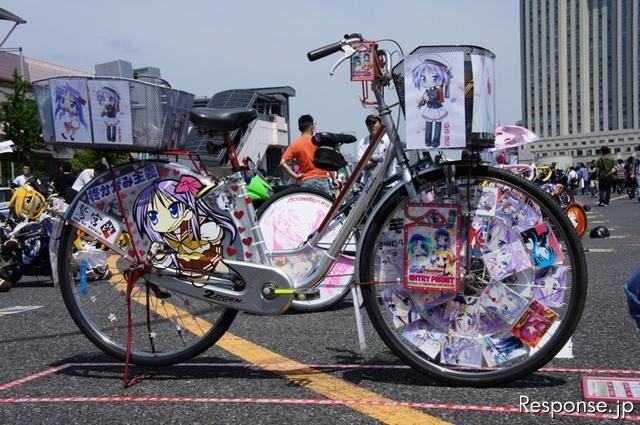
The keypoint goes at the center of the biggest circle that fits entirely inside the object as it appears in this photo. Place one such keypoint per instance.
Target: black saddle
(332, 139)
(222, 120)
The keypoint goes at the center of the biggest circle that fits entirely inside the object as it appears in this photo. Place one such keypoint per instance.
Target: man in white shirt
(27, 173)
(373, 122)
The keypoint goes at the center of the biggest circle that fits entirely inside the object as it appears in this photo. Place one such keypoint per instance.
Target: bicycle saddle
(332, 139)
(222, 119)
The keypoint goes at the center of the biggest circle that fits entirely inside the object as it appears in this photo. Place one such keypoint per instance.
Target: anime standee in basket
(185, 232)
(432, 79)
(69, 105)
(109, 100)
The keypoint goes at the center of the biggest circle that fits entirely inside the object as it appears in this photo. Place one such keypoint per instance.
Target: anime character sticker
(400, 306)
(500, 235)
(502, 301)
(507, 260)
(70, 109)
(471, 319)
(542, 245)
(111, 111)
(534, 323)
(501, 348)
(477, 235)
(434, 95)
(516, 213)
(421, 334)
(431, 234)
(550, 286)
(521, 282)
(185, 232)
(460, 351)
(419, 249)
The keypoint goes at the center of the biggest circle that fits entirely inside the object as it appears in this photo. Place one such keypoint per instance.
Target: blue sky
(208, 46)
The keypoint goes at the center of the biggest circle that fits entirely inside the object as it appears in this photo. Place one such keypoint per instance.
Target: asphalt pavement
(50, 373)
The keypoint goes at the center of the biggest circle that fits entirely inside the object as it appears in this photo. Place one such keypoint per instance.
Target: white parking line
(600, 250)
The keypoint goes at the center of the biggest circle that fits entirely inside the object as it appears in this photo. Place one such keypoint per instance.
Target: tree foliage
(19, 118)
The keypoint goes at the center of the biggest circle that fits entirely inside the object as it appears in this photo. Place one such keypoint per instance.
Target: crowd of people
(64, 182)
(602, 176)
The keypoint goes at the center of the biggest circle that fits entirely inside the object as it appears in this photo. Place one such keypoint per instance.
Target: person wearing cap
(372, 123)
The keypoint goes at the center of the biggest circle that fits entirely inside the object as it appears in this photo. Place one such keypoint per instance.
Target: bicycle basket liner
(109, 113)
(328, 158)
(436, 109)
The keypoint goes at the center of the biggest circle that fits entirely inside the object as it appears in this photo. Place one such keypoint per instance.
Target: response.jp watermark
(619, 410)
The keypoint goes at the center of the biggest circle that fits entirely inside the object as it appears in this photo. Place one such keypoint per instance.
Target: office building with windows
(581, 77)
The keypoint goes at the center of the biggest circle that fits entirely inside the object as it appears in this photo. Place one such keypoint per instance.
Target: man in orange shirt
(303, 150)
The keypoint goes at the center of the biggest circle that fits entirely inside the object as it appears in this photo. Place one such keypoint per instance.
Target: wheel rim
(432, 337)
(173, 327)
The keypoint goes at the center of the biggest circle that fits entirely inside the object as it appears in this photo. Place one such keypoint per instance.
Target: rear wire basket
(149, 117)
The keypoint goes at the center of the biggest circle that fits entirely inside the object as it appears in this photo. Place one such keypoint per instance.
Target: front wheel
(167, 327)
(520, 266)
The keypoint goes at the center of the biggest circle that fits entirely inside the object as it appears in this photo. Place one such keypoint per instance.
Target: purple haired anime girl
(432, 77)
(69, 105)
(109, 99)
(185, 232)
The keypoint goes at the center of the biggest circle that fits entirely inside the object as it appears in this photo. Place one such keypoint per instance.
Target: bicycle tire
(183, 327)
(480, 372)
(328, 298)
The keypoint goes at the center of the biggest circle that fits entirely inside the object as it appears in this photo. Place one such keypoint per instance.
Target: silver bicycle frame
(363, 201)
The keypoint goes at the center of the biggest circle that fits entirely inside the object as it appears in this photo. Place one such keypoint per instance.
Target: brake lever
(348, 52)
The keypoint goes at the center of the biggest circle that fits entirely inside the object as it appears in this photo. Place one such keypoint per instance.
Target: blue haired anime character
(419, 247)
(537, 242)
(432, 79)
(185, 232)
(69, 105)
(109, 99)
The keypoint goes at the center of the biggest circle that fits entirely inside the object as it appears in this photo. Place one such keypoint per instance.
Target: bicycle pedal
(307, 294)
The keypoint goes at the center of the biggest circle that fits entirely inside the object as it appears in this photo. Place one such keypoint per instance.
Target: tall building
(581, 76)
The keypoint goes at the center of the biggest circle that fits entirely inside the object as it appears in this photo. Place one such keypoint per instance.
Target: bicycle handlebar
(332, 48)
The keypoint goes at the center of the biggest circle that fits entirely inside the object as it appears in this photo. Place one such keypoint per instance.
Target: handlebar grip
(324, 51)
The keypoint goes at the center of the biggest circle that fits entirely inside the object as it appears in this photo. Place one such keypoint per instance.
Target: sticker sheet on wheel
(151, 212)
(499, 293)
(432, 241)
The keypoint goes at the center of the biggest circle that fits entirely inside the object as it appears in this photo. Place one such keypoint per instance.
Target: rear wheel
(167, 327)
(286, 220)
(505, 321)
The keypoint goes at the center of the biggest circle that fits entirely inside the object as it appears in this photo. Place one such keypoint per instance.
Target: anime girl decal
(507, 260)
(432, 79)
(109, 99)
(419, 247)
(478, 229)
(69, 105)
(185, 232)
(542, 245)
(442, 239)
(502, 348)
(502, 301)
(400, 305)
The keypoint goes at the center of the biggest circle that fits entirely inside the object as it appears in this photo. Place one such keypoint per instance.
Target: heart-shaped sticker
(231, 251)
(241, 229)
(164, 172)
(238, 214)
(247, 241)
(248, 254)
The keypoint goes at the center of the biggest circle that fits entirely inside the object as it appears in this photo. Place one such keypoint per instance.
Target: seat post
(231, 151)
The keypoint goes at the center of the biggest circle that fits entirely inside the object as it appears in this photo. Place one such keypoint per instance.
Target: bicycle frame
(363, 201)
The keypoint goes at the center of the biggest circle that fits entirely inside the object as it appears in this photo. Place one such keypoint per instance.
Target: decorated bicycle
(468, 273)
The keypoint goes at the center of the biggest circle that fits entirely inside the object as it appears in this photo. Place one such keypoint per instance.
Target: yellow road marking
(329, 386)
